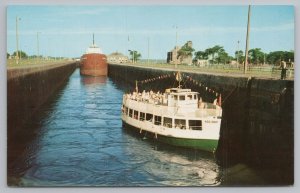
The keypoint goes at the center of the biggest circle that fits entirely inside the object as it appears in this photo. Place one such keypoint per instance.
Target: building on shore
(117, 57)
(172, 57)
(201, 62)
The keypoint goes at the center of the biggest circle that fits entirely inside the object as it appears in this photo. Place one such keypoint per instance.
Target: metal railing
(268, 71)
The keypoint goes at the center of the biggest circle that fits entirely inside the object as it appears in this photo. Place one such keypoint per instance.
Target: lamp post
(132, 55)
(237, 54)
(176, 51)
(148, 52)
(17, 40)
(37, 45)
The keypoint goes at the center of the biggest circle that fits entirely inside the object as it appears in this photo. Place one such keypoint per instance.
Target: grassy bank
(24, 63)
(261, 71)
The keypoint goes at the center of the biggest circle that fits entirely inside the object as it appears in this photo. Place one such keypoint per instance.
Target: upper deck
(175, 102)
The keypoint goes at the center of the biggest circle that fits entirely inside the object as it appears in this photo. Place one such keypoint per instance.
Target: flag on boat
(178, 77)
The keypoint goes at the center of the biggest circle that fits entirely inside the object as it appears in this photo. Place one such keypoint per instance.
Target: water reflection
(91, 80)
(81, 142)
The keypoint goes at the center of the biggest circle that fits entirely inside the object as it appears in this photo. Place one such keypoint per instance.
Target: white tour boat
(178, 117)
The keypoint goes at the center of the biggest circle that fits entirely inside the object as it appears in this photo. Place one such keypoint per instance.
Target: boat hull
(93, 65)
(209, 145)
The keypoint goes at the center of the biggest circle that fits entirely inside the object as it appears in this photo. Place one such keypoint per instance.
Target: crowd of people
(150, 97)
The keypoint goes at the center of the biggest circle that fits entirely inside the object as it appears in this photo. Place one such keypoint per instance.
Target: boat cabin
(93, 49)
(182, 97)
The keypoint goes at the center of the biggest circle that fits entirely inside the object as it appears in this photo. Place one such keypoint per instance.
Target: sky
(67, 30)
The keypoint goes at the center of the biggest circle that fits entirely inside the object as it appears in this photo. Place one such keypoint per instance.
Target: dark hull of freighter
(93, 64)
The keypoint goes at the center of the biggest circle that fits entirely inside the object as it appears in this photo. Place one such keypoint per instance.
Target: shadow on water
(24, 143)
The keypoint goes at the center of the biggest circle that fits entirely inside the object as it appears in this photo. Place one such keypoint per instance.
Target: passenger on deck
(215, 102)
(200, 104)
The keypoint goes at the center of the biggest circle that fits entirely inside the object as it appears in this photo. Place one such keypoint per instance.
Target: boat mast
(136, 86)
(93, 40)
(178, 78)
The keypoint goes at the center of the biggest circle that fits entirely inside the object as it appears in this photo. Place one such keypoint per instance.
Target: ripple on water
(58, 174)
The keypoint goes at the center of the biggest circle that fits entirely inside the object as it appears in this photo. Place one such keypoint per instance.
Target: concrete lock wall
(258, 115)
(28, 89)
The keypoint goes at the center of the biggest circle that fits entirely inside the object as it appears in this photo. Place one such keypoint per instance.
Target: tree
(21, 54)
(239, 56)
(7, 55)
(256, 56)
(135, 56)
(200, 55)
(210, 52)
(214, 51)
(277, 56)
(185, 51)
(222, 57)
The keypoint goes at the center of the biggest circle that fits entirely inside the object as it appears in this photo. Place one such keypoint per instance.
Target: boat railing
(148, 97)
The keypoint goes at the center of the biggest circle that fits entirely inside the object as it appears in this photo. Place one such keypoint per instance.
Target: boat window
(149, 117)
(195, 97)
(180, 123)
(130, 112)
(175, 97)
(182, 97)
(135, 114)
(168, 122)
(189, 97)
(195, 124)
(157, 120)
(142, 116)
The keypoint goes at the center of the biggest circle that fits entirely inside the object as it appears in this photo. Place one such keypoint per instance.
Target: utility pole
(133, 59)
(37, 45)
(17, 41)
(237, 54)
(176, 60)
(247, 40)
(148, 51)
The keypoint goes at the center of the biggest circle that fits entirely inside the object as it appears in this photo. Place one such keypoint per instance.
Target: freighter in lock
(93, 62)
